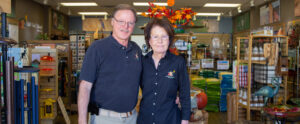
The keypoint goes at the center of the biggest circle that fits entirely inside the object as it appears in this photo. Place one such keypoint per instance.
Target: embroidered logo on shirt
(171, 74)
(137, 56)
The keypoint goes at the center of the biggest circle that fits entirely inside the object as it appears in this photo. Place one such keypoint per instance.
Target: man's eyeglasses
(120, 22)
(155, 37)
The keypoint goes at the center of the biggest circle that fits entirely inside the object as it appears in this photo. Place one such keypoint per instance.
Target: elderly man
(111, 73)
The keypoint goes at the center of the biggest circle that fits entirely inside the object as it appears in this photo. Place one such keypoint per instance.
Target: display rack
(64, 57)
(48, 84)
(6, 78)
(77, 43)
(298, 70)
(248, 60)
(78, 47)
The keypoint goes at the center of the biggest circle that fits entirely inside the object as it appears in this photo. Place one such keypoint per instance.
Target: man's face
(123, 24)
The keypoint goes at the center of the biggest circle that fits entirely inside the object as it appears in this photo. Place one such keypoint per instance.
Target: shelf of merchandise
(251, 108)
(249, 62)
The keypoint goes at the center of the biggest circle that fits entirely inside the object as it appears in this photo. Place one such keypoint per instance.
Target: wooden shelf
(259, 62)
(48, 41)
(244, 61)
(47, 75)
(48, 118)
(253, 61)
(263, 62)
(7, 41)
(256, 108)
(281, 85)
(242, 105)
(251, 108)
(254, 36)
(244, 38)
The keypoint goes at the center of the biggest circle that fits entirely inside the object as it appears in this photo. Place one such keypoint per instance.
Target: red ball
(201, 100)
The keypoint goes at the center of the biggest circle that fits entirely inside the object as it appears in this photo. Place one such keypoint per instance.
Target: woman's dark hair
(165, 24)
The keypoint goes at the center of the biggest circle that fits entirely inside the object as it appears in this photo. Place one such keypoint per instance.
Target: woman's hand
(184, 122)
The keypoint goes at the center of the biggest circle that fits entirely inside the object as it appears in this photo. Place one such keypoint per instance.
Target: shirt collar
(118, 45)
(165, 57)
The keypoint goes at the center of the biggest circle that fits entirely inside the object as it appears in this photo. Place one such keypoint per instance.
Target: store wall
(75, 24)
(286, 14)
(36, 14)
(141, 22)
(58, 25)
(287, 11)
(225, 24)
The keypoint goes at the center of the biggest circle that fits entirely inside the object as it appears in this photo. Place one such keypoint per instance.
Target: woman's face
(159, 40)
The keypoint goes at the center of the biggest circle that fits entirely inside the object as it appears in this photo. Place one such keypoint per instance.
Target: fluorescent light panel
(147, 4)
(208, 14)
(92, 13)
(79, 4)
(221, 5)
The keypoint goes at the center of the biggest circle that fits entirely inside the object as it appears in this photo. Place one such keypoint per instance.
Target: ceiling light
(218, 18)
(83, 17)
(92, 13)
(69, 12)
(140, 13)
(79, 4)
(105, 17)
(252, 3)
(230, 13)
(58, 7)
(208, 14)
(239, 9)
(221, 5)
(147, 4)
(45, 2)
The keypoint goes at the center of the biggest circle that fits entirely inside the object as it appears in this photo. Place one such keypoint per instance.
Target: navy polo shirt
(160, 87)
(115, 73)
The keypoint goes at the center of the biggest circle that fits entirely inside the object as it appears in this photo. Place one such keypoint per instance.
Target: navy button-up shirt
(160, 87)
(115, 72)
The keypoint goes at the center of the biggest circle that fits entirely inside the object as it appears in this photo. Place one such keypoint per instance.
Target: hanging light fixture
(105, 17)
(69, 12)
(58, 6)
(83, 17)
(230, 13)
(239, 9)
(218, 18)
(45, 2)
(252, 3)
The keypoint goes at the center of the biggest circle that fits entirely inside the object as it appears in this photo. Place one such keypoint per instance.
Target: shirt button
(127, 57)
(156, 83)
(123, 48)
(156, 73)
(154, 104)
(153, 123)
(152, 114)
(155, 93)
(158, 63)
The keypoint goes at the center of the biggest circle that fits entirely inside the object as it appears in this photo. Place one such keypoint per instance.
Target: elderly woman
(164, 76)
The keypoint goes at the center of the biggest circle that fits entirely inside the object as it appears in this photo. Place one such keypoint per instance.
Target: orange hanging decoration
(171, 2)
(178, 17)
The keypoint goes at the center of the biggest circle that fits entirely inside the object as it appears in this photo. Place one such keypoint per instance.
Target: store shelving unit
(48, 83)
(248, 43)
